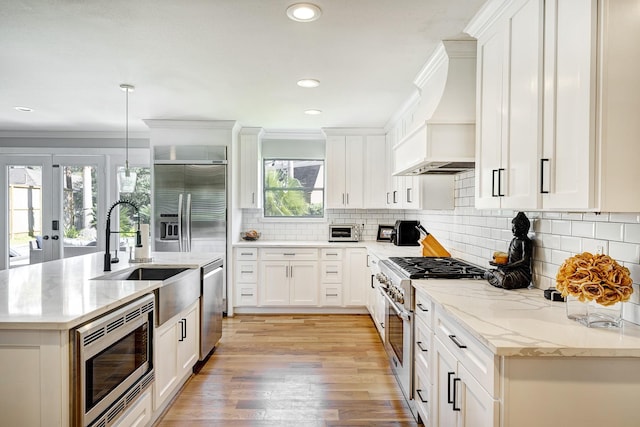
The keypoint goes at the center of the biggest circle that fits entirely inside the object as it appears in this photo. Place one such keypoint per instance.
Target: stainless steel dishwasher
(211, 307)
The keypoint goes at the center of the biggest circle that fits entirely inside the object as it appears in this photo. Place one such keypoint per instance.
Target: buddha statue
(516, 272)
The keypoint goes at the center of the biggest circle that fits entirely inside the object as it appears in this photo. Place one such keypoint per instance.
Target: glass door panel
(25, 214)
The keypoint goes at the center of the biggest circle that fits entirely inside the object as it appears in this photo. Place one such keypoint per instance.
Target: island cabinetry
(246, 277)
(140, 414)
(345, 171)
(34, 372)
(331, 276)
(176, 351)
(424, 354)
(288, 276)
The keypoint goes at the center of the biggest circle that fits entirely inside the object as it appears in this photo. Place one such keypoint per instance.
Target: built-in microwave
(344, 233)
(112, 363)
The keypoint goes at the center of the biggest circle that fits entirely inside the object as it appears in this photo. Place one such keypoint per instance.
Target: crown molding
(302, 134)
(190, 124)
(353, 131)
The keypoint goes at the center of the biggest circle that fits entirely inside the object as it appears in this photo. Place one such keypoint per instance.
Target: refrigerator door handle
(187, 223)
(180, 230)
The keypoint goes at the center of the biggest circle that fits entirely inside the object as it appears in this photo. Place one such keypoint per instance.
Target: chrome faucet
(107, 254)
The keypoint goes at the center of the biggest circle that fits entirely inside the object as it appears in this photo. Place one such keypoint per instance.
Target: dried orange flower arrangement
(596, 278)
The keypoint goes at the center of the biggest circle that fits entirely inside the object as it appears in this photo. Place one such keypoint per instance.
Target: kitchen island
(492, 357)
(39, 305)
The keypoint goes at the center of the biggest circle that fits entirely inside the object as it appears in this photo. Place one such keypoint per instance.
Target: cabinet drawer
(247, 254)
(331, 272)
(331, 295)
(424, 308)
(475, 357)
(246, 295)
(289, 254)
(331, 254)
(424, 347)
(246, 272)
(423, 394)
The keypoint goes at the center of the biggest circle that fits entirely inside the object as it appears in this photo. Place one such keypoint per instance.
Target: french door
(53, 207)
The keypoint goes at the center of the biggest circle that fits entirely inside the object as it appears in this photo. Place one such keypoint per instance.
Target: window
(140, 196)
(293, 188)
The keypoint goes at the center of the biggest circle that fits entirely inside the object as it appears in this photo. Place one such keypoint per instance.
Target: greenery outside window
(293, 188)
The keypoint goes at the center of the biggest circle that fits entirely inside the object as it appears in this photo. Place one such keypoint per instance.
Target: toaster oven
(344, 233)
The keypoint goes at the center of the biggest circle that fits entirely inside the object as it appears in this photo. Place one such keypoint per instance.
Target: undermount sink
(144, 273)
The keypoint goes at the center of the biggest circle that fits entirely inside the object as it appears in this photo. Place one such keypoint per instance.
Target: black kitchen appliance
(405, 233)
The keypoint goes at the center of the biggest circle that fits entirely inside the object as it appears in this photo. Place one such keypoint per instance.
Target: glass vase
(592, 314)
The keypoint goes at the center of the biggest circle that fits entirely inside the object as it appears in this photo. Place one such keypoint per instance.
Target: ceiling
(214, 60)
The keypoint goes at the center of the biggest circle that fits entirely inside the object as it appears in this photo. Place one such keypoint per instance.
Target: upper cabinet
(250, 168)
(345, 172)
(557, 105)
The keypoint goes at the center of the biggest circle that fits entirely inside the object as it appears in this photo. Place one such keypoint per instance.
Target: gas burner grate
(437, 268)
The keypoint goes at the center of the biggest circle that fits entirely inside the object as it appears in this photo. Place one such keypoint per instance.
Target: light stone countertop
(61, 294)
(523, 323)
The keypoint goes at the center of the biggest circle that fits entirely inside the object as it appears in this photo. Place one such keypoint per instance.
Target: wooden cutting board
(432, 248)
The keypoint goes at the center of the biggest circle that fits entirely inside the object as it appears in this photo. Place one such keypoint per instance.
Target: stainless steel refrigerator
(190, 199)
(190, 215)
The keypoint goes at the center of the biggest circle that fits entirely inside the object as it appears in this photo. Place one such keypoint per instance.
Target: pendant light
(127, 178)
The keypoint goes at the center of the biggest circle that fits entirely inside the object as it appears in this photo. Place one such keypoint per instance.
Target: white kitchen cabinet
(331, 277)
(246, 277)
(378, 180)
(509, 129)
(557, 126)
(250, 168)
(356, 277)
(345, 171)
(288, 276)
(375, 299)
(461, 400)
(175, 352)
(424, 354)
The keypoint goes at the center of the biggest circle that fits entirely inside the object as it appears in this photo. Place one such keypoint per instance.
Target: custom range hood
(441, 135)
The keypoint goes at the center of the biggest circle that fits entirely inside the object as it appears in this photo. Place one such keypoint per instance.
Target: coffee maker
(405, 233)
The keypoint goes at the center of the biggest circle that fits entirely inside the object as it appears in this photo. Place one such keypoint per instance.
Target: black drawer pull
(422, 399)
(456, 341)
(455, 381)
(449, 375)
(422, 307)
(419, 344)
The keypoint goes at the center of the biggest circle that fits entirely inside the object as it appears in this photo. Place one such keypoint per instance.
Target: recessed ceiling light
(24, 109)
(308, 83)
(313, 112)
(304, 12)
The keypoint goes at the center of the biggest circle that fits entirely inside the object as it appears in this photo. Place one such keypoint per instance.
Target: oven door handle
(401, 314)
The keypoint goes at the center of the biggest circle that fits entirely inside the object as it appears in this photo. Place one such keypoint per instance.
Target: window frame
(265, 189)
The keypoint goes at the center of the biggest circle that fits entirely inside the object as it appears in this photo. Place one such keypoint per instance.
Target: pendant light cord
(126, 163)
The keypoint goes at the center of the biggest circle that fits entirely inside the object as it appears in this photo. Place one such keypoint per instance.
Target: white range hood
(442, 137)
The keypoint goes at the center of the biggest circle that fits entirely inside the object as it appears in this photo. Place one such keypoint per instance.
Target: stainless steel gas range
(395, 280)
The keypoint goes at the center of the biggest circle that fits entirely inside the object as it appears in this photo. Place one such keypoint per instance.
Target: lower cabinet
(461, 400)
(356, 277)
(288, 283)
(176, 351)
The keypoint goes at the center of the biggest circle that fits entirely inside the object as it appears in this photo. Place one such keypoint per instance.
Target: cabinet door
(522, 146)
(274, 283)
(377, 173)
(165, 363)
(569, 121)
(411, 192)
(188, 340)
(139, 415)
(354, 172)
(477, 408)
(336, 172)
(303, 283)
(491, 65)
(250, 168)
(446, 371)
(356, 277)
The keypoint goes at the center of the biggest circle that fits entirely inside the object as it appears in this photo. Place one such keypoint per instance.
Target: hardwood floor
(293, 370)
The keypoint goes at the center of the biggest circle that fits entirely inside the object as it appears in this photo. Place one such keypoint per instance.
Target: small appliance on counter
(344, 233)
(405, 233)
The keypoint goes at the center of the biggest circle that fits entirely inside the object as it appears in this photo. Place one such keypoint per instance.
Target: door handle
(455, 381)
(493, 182)
(45, 237)
(500, 193)
(449, 398)
(55, 237)
(543, 162)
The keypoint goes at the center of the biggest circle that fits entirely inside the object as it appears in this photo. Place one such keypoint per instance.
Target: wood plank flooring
(293, 370)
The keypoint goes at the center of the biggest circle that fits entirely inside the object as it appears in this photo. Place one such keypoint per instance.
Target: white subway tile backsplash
(624, 217)
(583, 229)
(595, 246)
(609, 231)
(571, 244)
(632, 233)
(627, 252)
(561, 227)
